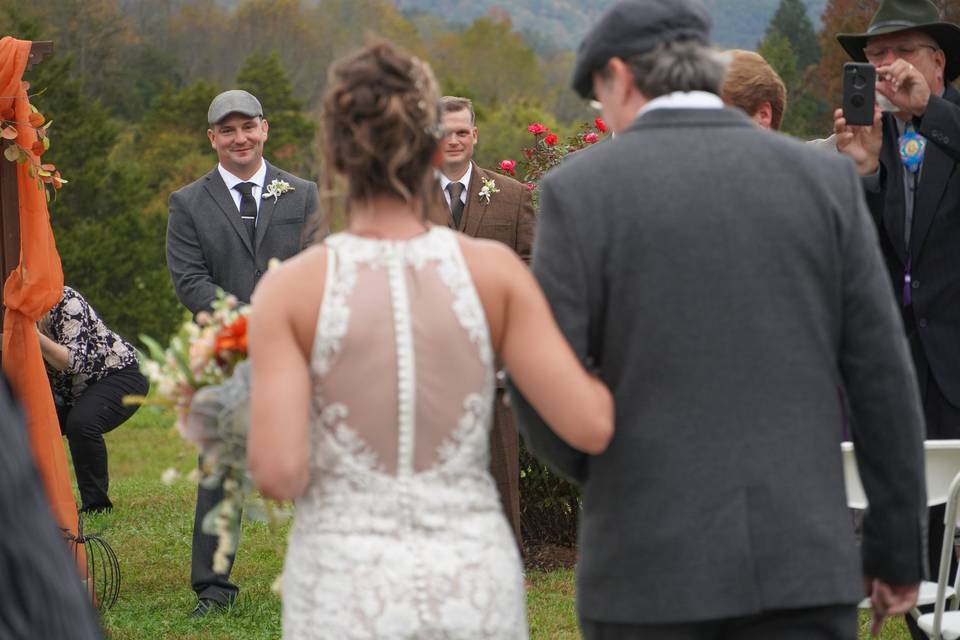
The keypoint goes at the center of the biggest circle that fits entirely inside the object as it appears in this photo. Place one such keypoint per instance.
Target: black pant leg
(205, 581)
(97, 411)
(596, 630)
(837, 622)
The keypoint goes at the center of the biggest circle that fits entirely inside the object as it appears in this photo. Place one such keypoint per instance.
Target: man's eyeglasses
(877, 54)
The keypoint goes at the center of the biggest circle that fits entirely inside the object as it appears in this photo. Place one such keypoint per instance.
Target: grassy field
(150, 530)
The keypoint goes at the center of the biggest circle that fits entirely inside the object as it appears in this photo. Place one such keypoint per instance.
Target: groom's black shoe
(206, 606)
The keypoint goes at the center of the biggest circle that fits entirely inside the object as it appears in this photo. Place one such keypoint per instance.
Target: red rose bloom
(509, 166)
(536, 128)
(600, 125)
(551, 139)
(590, 138)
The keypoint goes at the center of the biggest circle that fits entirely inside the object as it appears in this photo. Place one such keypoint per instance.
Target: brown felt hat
(894, 16)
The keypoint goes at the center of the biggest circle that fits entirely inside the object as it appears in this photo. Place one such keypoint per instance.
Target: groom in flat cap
(910, 163)
(724, 313)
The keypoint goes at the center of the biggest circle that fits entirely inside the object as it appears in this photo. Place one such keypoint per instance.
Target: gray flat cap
(632, 27)
(233, 101)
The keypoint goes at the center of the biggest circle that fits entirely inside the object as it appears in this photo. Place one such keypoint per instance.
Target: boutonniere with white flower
(489, 188)
(277, 188)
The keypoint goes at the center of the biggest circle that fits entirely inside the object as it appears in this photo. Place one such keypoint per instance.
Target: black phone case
(859, 92)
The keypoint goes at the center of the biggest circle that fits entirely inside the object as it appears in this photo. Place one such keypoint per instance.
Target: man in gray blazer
(726, 281)
(222, 231)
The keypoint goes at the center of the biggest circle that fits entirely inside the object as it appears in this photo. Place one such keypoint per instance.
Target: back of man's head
(666, 38)
(751, 83)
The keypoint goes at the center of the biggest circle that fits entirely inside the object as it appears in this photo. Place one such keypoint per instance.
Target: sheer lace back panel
(402, 355)
(400, 534)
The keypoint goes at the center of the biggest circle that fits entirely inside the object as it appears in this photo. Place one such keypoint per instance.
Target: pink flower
(531, 186)
(551, 139)
(509, 166)
(536, 129)
(600, 125)
(590, 138)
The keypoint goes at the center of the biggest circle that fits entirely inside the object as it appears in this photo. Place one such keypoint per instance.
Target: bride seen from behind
(373, 379)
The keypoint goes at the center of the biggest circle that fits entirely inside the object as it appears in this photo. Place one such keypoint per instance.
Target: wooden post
(9, 196)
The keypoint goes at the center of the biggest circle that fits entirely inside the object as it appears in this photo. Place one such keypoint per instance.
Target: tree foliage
(291, 132)
(803, 111)
(110, 245)
(791, 21)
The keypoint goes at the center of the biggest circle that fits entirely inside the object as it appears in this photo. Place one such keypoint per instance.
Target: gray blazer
(728, 284)
(208, 246)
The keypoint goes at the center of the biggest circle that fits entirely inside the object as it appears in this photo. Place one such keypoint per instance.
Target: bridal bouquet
(203, 375)
(548, 150)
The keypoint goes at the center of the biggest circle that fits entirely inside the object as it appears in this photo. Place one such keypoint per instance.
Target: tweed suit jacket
(727, 281)
(508, 218)
(934, 241)
(208, 246)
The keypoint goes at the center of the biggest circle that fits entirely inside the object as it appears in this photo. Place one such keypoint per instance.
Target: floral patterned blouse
(95, 350)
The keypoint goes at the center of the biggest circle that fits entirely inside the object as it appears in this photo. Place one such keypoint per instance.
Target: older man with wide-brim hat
(915, 53)
(911, 177)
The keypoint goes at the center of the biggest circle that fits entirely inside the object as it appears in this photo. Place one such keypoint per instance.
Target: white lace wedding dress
(400, 533)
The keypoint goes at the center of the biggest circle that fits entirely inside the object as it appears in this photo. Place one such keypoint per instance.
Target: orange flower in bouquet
(204, 352)
(231, 341)
(203, 376)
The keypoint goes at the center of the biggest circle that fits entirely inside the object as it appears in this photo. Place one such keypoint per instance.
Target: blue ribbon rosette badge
(912, 146)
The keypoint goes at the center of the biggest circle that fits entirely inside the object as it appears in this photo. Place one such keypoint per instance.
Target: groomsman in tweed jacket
(485, 204)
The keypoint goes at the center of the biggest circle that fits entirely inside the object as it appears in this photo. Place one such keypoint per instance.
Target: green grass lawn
(150, 530)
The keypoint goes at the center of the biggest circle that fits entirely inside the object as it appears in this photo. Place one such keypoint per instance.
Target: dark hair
(380, 122)
(454, 104)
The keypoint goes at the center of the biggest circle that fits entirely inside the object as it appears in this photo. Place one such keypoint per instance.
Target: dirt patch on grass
(548, 557)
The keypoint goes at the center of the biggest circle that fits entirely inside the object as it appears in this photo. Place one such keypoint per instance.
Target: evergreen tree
(803, 111)
(840, 16)
(792, 21)
(291, 142)
(779, 54)
(111, 245)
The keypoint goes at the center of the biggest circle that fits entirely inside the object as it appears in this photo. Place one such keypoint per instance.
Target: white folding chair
(943, 623)
(942, 464)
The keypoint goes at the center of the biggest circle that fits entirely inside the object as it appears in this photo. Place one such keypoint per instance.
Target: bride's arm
(278, 444)
(577, 406)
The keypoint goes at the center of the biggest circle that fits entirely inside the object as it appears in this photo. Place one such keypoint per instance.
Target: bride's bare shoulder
(306, 269)
(292, 291)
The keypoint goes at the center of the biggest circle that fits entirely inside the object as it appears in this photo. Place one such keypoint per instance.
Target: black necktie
(248, 209)
(456, 205)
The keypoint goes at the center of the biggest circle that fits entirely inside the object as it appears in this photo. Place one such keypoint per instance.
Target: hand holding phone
(859, 93)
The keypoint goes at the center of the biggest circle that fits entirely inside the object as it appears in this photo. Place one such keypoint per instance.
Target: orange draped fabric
(29, 292)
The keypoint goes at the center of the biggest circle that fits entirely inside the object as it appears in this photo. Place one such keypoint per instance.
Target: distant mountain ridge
(562, 23)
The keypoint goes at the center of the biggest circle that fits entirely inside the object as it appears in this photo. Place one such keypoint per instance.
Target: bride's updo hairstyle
(380, 122)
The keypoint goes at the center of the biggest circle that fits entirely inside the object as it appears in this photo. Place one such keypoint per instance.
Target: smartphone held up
(859, 93)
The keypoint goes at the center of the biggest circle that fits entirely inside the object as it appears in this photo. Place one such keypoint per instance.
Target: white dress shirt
(257, 179)
(683, 100)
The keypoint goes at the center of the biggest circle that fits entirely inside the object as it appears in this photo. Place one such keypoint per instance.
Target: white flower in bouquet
(169, 476)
